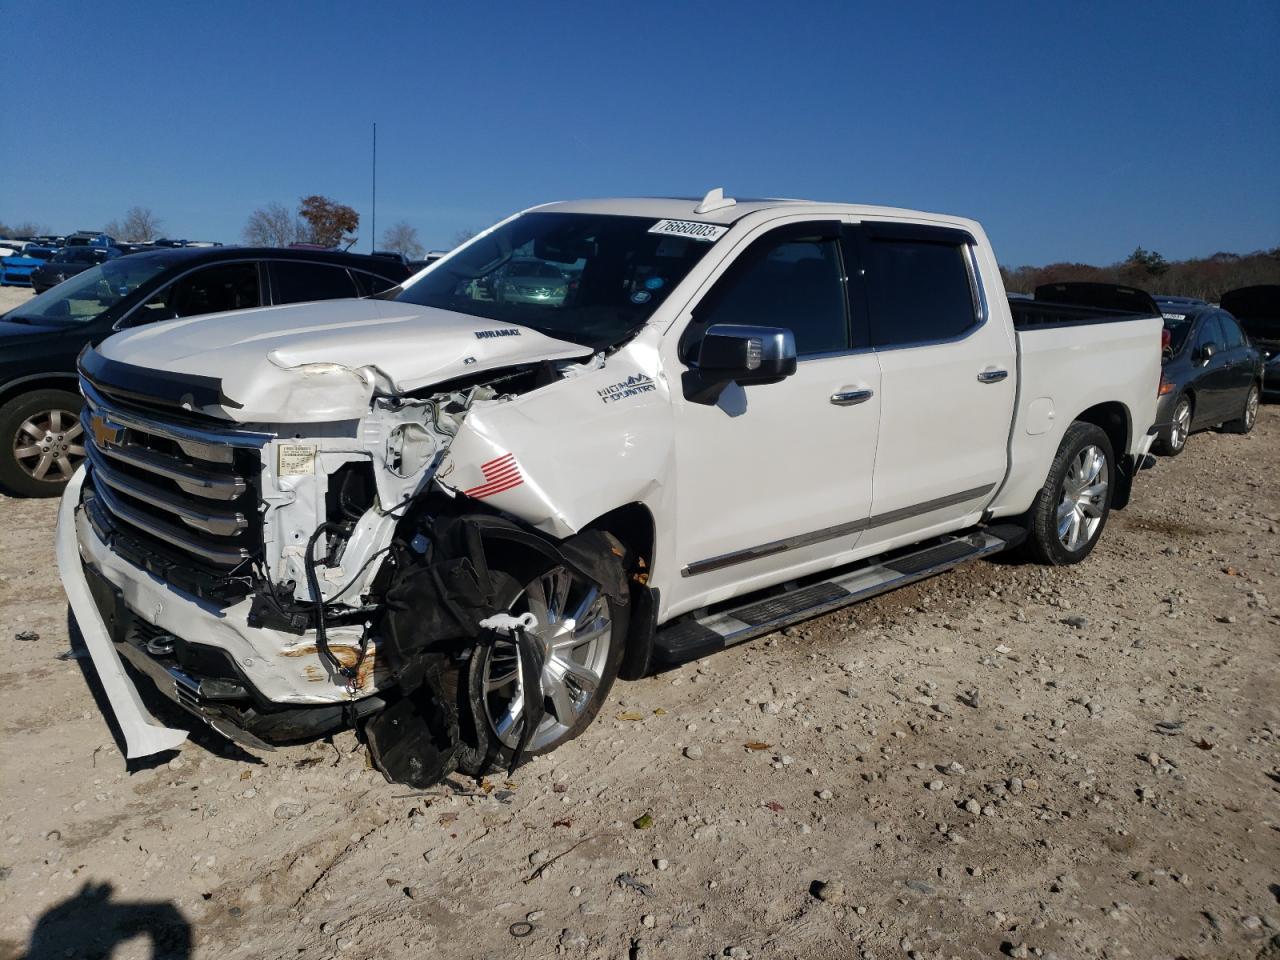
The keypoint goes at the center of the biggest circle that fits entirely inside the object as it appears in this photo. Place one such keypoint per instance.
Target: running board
(697, 636)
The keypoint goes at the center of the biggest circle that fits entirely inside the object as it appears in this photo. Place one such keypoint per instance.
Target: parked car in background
(89, 238)
(68, 262)
(16, 270)
(40, 438)
(1258, 310)
(1176, 304)
(532, 282)
(1211, 376)
(1105, 296)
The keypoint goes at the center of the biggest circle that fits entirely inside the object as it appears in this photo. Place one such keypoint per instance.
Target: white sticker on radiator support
(295, 459)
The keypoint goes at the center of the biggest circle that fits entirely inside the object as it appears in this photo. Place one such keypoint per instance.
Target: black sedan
(68, 262)
(1212, 376)
(40, 436)
(1258, 310)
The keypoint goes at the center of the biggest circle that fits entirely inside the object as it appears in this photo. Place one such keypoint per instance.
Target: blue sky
(1072, 131)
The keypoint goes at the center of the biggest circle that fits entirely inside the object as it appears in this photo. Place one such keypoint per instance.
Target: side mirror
(730, 353)
(1207, 352)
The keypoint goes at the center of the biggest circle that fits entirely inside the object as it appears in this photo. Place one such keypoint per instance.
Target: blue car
(15, 271)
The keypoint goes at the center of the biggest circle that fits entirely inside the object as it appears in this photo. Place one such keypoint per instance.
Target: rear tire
(1173, 438)
(1249, 415)
(1070, 511)
(41, 443)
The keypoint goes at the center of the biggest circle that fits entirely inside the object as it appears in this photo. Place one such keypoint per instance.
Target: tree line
(1206, 278)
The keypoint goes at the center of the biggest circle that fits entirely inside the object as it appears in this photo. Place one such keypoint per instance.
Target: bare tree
(24, 228)
(462, 236)
(402, 237)
(139, 224)
(274, 225)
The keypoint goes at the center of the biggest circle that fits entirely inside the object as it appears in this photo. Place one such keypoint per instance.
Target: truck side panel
(1064, 371)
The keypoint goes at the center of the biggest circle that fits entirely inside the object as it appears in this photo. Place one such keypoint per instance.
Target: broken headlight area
(441, 610)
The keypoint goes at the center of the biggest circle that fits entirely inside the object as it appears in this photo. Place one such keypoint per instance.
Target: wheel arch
(1113, 419)
(39, 381)
(634, 526)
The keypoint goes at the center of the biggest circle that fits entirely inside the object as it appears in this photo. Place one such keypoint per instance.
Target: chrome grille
(188, 489)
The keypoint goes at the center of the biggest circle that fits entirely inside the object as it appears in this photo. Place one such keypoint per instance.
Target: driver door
(775, 480)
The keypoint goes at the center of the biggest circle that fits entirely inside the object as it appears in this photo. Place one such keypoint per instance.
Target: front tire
(583, 632)
(1173, 438)
(41, 443)
(1070, 511)
(1249, 415)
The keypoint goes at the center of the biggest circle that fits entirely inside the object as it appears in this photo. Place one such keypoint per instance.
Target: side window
(370, 284)
(293, 281)
(918, 290)
(227, 286)
(785, 279)
(1231, 333)
(1210, 332)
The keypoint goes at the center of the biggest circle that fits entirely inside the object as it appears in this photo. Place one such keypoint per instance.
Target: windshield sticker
(490, 334)
(641, 296)
(634, 385)
(654, 283)
(708, 232)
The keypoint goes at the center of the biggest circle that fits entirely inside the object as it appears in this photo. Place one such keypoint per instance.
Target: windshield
(88, 294)
(587, 278)
(1179, 325)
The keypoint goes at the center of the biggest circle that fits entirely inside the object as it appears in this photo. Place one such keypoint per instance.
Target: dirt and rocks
(1078, 762)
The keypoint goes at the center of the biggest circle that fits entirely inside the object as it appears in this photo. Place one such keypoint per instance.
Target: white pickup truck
(600, 439)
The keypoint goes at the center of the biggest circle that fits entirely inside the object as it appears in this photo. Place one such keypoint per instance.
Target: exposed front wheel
(581, 633)
(1071, 510)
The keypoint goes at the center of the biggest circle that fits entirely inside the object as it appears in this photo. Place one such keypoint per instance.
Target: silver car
(534, 282)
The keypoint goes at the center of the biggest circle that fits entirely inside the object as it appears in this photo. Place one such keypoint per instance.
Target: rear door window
(1232, 335)
(295, 281)
(918, 286)
(369, 283)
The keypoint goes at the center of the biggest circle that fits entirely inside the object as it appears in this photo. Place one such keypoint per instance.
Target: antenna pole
(373, 218)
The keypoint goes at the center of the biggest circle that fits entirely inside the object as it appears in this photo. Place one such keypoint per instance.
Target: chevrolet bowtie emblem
(105, 433)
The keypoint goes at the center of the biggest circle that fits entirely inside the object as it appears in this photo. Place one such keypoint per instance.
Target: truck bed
(1038, 314)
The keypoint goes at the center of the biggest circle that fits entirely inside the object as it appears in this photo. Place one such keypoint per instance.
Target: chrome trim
(831, 533)
(194, 480)
(175, 536)
(992, 376)
(206, 444)
(218, 522)
(849, 398)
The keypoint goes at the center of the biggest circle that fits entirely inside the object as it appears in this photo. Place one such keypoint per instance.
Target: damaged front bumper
(253, 685)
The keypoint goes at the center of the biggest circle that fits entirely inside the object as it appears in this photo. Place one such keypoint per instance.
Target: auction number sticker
(708, 232)
(295, 459)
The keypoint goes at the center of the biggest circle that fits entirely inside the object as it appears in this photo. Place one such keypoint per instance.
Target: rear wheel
(1248, 415)
(1173, 438)
(1071, 510)
(41, 442)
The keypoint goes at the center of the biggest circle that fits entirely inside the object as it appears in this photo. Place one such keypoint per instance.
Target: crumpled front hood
(313, 362)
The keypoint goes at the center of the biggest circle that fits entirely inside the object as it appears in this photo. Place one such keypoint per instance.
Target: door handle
(849, 398)
(992, 376)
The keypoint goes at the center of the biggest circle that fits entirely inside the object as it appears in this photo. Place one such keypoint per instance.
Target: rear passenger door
(947, 376)
(297, 281)
(1240, 368)
(1212, 376)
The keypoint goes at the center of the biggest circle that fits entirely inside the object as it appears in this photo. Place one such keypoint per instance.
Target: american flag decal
(500, 474)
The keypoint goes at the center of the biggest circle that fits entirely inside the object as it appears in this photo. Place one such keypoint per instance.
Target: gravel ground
(11, 297)
(1076, 762)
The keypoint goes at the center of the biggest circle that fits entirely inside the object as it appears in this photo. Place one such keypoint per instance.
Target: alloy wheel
(48, 446)
(1251, 408)
(1084, 498)
(1181, 425)
(575, 630)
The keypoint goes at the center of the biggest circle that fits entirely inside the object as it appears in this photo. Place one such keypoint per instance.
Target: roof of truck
(685, 208)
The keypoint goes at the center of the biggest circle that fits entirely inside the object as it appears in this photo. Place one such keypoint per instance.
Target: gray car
(534, 282)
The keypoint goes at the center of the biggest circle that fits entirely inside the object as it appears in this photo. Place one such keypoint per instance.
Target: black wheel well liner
(634, 526)
(1113, 419)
